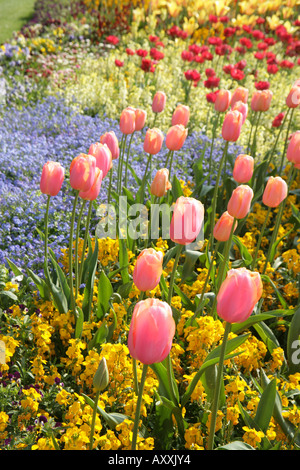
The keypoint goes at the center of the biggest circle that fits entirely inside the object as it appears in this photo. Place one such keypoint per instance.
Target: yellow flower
(252, 437)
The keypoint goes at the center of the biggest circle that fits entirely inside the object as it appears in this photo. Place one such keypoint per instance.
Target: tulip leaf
(188, 268)
(89, 286)
(267, 336)
(239, 327)
(246, 257)
(111, 419)
(105, 292)
(17, 271)
(265, 406)
(123, 260)
(266, 278)
(176, 188)
(40, 284)
(99, 337)
(79, 322)
(293, 343)
(236, 445)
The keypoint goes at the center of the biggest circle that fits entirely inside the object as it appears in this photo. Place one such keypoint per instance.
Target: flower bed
(114, 336)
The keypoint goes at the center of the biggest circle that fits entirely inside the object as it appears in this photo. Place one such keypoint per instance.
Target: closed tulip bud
(240, 94)
(293, 150)
(160, 184)
(153, 141)
(243, 168)
(101, 377)
(293, 98)
(181, 115)
(223, 227)
(275, 191)
(159, 102)
(261, 100)
(240, 201)
(176, 136)
(140, 119)
(222, 102)
(232, 126)
(93, 192)
(242, 108)
(187, 220)
(127, 121)
(103, 157)
(151, 331)
(238, 295)
(82, 172)
(148, 269)
(52, 178)
(111, 140)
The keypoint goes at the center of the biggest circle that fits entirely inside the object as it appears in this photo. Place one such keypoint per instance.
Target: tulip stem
(286, 140)
(119, 179)
(212, 142)
(138, 408)
(215, 404)
(214, 200)
(85, 240)
(94, 419)
(71, 252)
(178, 253)
(145, 178)
(277, 138)
(127, 158)
(76, 248)
(110, 184)
(254, 137)
(46, 231)
(260, 238)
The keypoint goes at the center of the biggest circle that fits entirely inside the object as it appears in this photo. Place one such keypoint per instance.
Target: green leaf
(123, 260)
(266, 278)
(99, 337)
(62, 279)
(293, 343)
(89, 287)
(265, 406)
(236, 445)
(267, 336)
(188, 268)
(176, 188)
(40, 284)
(79, 322)
(111, 419)
(253, 319)
(17, 272)
(246, 257)
(105, 292)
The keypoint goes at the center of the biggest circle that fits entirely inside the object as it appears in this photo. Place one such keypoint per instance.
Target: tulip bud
(222, 102)
(127, 121)
(160, 184)
(103, 157)
(153, 141)
(223, 227)
(181, 115)
(275, 191)
(110, 139)
(159, 102)
(101, 377)
(232, 126)
(140, 119)
(293, 150)
(261, 100)
(52, 178)
(240, 94)
(82, 172)
(240, 201)
(148, 269)
(187, 220)
(293, 98)
(151, 331)
(93, 192)
(238, 295)
(243, 168)
(176, 136)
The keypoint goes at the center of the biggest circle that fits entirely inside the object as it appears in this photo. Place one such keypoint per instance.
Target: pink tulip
(242, 108)
(240, 201)
(261, 100)
(82, 172)
(140, 119)
(110, 139)
(93, 192)
(127, 121)
(187, 220)
(293, 150)
(103, 157)
(240, 94)
(159, 102)
(52, 178)
(238, 295)
(151, 332)
(222, 102)
(181, 115)
(293, 98)
(243, 168)
(223, 227)
(176, 136)
(153, 141)
(275, 191)
(160, 184)
(148, 269)
(232, 126)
